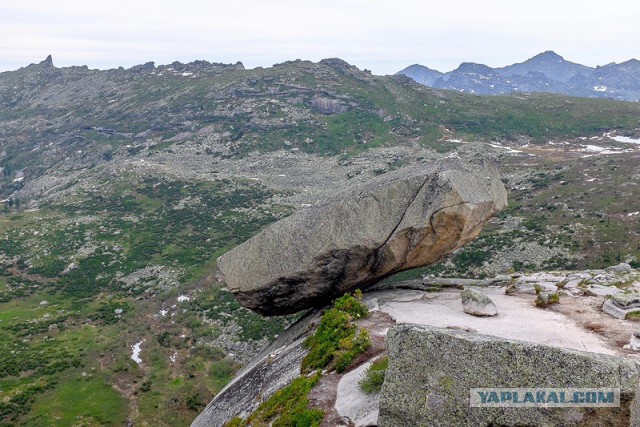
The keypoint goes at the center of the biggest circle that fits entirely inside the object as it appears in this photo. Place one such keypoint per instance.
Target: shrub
(335, 341)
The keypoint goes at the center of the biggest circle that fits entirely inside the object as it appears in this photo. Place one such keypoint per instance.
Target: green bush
(372, 380)
(335, 340)
(286, 408)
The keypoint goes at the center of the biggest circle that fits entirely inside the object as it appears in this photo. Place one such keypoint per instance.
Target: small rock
(69, 267)
(634, 342)
(44, 303)
(118, 311)
(623, 267)
(477, 303)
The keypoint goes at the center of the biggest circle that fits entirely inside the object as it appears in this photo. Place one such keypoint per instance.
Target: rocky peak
(47, 63)
(547, 56)
(421, 74)
(472, 67)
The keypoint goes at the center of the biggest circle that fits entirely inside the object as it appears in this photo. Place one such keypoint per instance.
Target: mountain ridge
(546, 72)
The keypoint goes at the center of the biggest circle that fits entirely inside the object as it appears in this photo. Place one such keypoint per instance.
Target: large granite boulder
(432, 371)
(402, 220)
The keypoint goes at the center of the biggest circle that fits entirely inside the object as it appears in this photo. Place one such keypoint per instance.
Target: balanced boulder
(402, 220)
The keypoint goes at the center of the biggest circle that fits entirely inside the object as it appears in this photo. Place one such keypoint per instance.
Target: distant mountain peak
(548, 55)
(472, 67)
(421, 74)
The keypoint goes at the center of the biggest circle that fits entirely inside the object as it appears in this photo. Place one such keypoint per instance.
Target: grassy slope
(78, 331)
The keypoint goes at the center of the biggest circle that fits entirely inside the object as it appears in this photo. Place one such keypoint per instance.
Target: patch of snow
(601, 150)
(625, 139)
(136, 350)
(633, 214)
(454, 140)
(509, 150)
(163, 313)
(19, 179)
(600, 88)
(183, 298)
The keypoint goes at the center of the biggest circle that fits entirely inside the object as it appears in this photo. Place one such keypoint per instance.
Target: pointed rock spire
(48, 62)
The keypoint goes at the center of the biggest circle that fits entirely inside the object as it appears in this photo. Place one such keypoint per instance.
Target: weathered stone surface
(360, 409)
(328, 105)
(399, 221)
(477, 303)
(619, 311)
(627, 300)
(432, 370)
(271, 370)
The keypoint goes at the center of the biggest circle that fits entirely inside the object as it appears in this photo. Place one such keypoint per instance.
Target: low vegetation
(545, 299)
(286, 408)
(334, 345)
(373, 378)
(337, 341)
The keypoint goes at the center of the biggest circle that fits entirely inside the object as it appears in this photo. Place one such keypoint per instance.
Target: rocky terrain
(121, 188)
(546, 72)
(576, 327)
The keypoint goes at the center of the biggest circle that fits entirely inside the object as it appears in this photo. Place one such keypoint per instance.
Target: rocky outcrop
(477, 303)
(431, 372)
(328, 105)
(397, 222)
(623, 306)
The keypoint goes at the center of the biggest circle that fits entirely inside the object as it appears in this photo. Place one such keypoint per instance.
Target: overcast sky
(383, 36)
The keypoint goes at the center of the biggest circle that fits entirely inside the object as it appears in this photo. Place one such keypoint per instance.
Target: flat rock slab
(432, 371)
(359, 408)
(519, 318)
(401, 220)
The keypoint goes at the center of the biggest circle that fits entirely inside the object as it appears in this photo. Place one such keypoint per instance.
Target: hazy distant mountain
(545, 72)
(550, 63)
(421, 74)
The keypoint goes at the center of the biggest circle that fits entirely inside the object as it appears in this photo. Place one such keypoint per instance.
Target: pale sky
(383, 36)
